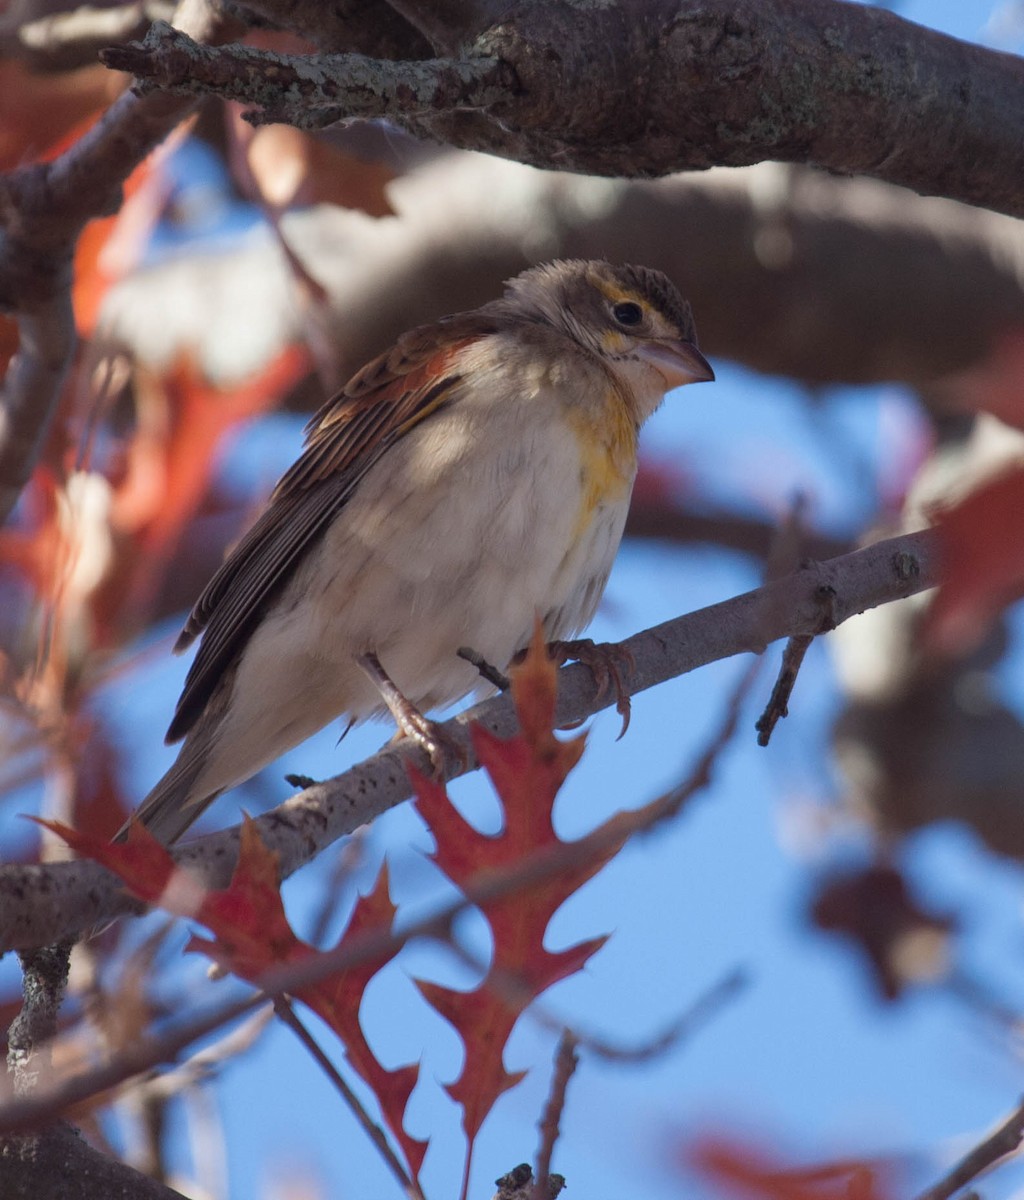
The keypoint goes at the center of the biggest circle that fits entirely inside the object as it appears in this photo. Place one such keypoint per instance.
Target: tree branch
(299, 88)
(63, 1164)
(850, 87)
(1004, 1140)
(39, 904)
(790, 271)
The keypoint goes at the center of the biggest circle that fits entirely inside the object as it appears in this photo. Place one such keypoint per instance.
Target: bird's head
(632, 317)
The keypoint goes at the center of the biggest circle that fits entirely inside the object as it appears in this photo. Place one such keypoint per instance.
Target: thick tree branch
(790, 271)
(62, 1163)
(850, 87)
(39, 904)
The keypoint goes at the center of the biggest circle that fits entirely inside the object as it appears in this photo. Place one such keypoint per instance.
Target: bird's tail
(172, 806)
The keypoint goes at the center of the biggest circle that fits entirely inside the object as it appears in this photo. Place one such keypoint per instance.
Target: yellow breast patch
(607, 438)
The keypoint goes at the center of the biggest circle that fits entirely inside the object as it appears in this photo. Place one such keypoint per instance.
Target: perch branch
(41, 903)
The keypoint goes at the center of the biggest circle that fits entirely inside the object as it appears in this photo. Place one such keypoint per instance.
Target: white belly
(458, 537)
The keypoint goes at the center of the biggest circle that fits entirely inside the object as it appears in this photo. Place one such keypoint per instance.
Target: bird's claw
(444, 751)
(607, 662)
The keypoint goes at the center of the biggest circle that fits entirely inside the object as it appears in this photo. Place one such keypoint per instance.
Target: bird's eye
(628, 313)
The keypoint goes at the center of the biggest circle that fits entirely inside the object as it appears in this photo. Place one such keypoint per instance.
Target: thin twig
(287, 1013)
(704, 1009)
(487, 670)
(1004, 1140)
(778, 702)
(546, 1185)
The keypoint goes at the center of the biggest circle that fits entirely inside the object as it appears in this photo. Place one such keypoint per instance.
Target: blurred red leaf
(44, 113)
(169, 462)
(981, 541)
(34, 547)
(874, 908)
(745, 1170)
(527, 772)
(996, 384)
(110, 247)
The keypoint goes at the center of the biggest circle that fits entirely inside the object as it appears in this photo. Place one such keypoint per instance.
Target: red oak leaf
(252, 935)
(527, 772)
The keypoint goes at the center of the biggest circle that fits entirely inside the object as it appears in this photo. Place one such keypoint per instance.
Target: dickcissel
(474, 475)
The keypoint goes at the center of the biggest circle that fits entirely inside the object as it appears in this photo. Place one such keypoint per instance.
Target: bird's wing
(379, 405)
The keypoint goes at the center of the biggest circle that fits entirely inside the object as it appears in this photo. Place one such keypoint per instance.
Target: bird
(469, 480)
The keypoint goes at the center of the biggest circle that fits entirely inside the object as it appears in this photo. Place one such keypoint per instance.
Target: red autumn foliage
(252, 935)
(527, 772)
(745, 1170)
(45, 113)
(983, 562)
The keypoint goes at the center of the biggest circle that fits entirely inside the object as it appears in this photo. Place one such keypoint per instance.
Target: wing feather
(386, 399)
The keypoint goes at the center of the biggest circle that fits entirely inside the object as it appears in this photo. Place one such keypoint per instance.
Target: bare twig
(287, 1013)
(565, 1066)
(310, 92)
(778, 701)
(704, 1009)
(1004, 1140)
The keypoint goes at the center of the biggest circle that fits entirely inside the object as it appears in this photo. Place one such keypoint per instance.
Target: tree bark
(648, 87)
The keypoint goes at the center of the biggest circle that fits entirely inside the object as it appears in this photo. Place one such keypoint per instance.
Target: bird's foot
(442, 749)
(607, 663)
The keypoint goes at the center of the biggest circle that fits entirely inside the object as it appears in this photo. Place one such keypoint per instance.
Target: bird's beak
(678, 362)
